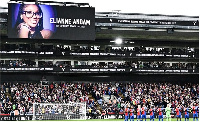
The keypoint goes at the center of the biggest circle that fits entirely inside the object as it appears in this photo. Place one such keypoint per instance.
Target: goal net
(56, 111)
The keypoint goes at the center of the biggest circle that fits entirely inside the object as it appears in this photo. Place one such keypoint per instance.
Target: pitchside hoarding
(51, 22)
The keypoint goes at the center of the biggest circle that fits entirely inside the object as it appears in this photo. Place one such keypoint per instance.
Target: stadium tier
(64, 61)
(112, 98)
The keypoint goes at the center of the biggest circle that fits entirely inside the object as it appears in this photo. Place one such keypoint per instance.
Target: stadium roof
(110, 25)
(169, 7)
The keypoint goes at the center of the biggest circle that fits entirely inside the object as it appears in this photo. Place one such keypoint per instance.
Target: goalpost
(59, 111)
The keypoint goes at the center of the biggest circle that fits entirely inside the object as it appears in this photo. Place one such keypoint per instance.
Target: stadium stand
(157, 64)
(110, 97)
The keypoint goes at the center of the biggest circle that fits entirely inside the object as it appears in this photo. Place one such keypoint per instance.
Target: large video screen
(51, 22)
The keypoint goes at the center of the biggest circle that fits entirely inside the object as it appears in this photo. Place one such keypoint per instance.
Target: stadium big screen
(57, 22)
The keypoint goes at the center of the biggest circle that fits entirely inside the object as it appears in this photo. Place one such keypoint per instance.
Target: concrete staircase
(106, 98)
(98, 106)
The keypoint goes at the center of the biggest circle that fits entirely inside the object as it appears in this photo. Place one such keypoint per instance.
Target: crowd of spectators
(18, 63)
(21, 96)
(143, 65)
(146, 50)
(129, 64)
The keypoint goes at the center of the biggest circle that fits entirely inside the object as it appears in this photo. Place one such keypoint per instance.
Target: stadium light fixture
(118, 41)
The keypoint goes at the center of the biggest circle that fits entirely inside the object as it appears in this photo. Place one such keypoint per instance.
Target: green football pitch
(172, 119)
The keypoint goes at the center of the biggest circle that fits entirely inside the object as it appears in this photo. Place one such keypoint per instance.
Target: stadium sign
(150, 22)
(51, 22)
